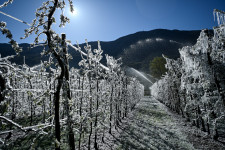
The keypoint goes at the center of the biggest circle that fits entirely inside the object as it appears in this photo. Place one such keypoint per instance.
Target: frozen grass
(150, 126)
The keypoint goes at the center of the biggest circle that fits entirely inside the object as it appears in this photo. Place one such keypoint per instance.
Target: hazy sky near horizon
(107, 20)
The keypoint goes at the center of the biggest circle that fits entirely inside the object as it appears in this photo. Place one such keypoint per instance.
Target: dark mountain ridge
(136, 49)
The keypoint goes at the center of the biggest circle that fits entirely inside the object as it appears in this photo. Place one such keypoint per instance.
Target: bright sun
(75, 12)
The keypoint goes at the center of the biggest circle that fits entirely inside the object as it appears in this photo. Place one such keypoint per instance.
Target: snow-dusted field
(152, 126)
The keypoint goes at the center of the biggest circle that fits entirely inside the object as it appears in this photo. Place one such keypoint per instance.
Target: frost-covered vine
(194, 84)
(60, 106)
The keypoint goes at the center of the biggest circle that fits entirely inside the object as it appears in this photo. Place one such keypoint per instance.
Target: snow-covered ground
(151, 126)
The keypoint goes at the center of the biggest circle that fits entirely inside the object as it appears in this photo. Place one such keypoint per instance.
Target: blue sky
(107, 20)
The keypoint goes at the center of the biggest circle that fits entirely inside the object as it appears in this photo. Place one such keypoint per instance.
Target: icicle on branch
(220, 16)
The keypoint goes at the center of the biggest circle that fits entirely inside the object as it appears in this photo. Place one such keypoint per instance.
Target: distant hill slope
(136, 49)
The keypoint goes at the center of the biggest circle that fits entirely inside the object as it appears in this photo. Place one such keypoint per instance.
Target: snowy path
(150, 126)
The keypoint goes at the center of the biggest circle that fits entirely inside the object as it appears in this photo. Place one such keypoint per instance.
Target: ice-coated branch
(7, 58)
(12, 122)
(2, 141)
(14, 18)
(13, 69)
(220, 11)
(38, 127)
(8, 34)
(6, 3)
(35, 128)
(220, 16)
(83, 53)
(6, 132)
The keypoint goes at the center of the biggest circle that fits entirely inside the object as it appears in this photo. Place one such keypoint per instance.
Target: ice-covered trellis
(194, 84)
(31, 91)
(62, 107)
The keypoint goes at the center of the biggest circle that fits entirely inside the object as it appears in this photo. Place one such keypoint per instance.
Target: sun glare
(75, 12)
